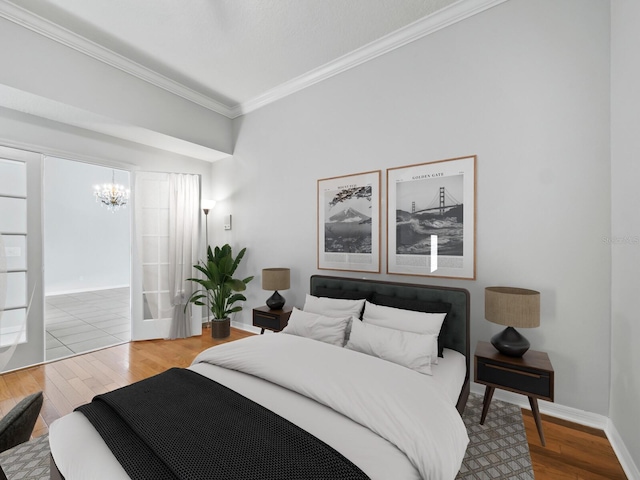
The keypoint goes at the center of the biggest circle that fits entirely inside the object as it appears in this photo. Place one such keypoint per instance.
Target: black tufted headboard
(456, 336)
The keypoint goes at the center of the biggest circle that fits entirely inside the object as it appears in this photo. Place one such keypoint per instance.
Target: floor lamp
(206, 206)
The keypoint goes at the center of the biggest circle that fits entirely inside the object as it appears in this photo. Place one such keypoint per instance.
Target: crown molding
(37, 24)
(450, 15)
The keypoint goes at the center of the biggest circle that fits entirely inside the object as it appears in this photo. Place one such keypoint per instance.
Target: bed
(385, 418)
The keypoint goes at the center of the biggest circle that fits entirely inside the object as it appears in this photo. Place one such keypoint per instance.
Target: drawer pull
(510, 370)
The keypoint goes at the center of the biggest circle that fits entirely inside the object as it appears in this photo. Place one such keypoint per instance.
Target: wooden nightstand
(530, 375)
(268, 319)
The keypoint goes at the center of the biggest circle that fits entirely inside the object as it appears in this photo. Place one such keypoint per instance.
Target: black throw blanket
(181, 425)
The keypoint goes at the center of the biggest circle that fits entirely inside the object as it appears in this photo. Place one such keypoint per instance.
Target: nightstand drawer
(267, 319)
(263, 320)
(514, 378)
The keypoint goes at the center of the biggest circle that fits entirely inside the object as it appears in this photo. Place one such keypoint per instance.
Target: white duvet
(391, 422)
(406, 408)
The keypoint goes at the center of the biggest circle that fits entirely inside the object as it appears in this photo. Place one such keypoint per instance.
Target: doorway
(87, 260)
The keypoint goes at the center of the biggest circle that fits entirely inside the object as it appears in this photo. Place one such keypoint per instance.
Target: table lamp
(513, 307)
(275, 279)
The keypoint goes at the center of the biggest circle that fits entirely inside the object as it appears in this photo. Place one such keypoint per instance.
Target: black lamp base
(275, 301)
(510, 342)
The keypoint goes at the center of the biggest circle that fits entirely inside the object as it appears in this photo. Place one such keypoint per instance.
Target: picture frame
(431, 219)
(349, 222)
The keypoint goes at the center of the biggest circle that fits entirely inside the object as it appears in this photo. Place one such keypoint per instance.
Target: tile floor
(85, 321)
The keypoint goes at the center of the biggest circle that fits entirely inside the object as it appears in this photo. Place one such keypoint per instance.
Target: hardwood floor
(74, 381)
(572, 452)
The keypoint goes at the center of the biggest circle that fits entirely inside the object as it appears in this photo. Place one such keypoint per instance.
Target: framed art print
(431, 222)
(349, 222)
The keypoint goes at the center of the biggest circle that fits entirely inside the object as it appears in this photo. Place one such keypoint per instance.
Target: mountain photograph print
(349, 222)
(431, 219)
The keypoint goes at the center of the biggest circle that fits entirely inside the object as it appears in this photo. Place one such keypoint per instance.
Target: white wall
(525, 87)
(625, 221)
(86, 246)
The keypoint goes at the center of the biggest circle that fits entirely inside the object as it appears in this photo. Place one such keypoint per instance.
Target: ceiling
(232, 51)
(232, 56)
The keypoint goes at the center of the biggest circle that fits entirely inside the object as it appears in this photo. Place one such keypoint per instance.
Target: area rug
(497, 450)
(27, 461)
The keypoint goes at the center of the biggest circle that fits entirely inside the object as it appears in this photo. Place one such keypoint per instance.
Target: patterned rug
(27, 461)
(497, 450)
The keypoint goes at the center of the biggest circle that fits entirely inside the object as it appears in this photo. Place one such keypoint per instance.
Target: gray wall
(525, 86)
(625, 221)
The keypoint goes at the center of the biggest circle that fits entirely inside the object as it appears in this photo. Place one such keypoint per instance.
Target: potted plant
(219, 287)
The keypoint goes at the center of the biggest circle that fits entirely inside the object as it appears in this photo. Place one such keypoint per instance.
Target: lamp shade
(207, 205)
(513, 307)
(275, 278)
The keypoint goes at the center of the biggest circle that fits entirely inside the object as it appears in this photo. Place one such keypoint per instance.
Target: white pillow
(405, 320)
(318, 327)
(408, 349)
(333, 307)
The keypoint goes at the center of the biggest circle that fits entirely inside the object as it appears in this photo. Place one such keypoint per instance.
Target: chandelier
(111, 195)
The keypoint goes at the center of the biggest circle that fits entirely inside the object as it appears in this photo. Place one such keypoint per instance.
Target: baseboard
(574, 415)
(570, 414)
(82, 290)
(624, 457)
(245, 327)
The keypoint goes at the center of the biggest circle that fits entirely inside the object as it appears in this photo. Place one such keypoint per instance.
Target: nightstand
(530, 375)
(268, 319)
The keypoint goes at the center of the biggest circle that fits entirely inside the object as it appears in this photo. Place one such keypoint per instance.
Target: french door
(21, 268)
(22, 332)
(151, 298)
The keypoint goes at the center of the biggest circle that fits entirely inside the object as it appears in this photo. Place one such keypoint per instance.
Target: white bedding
(403, 447)
(450, 373)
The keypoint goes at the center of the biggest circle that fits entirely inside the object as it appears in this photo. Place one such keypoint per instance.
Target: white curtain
(184, 215)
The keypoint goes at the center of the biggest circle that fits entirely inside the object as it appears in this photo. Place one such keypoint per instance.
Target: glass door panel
(13, 178)
(13, 214)
(16, 295)
(15, 249)
(12, 327)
